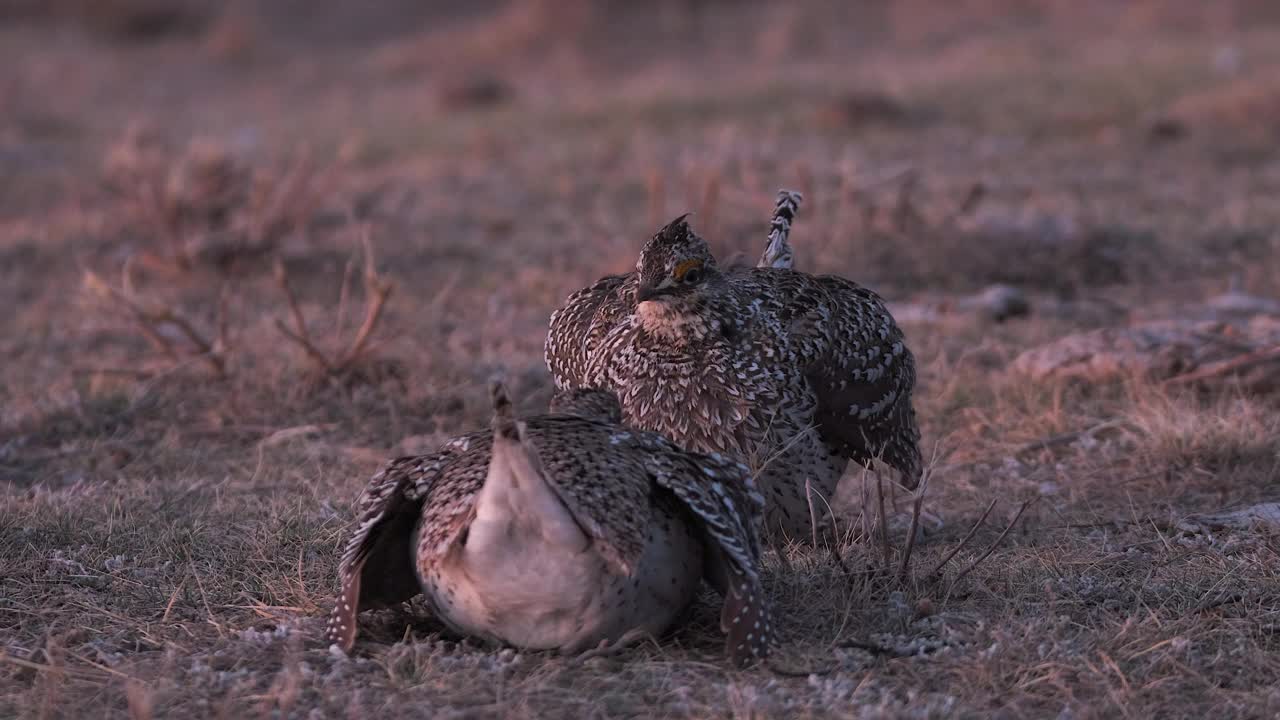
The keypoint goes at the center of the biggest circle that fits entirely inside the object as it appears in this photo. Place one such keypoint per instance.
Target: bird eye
(689, 271)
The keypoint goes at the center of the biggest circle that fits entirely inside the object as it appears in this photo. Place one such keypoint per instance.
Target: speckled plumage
(652, 520)
(778, 253)
(795, 373)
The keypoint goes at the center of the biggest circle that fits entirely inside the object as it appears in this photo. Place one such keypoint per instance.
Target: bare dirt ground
(177, 474)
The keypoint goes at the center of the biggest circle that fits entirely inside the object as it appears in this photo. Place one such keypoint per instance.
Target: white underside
(528, 576)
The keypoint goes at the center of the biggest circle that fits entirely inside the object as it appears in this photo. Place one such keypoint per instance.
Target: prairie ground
(178, 473)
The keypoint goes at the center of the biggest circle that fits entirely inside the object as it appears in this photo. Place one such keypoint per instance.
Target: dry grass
(176, 484)
(205, 205)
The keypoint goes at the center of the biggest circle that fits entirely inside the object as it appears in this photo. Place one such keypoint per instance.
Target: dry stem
(965, 540)
(916, 506)
(1021, 508)
(377, 289)
(150, 319)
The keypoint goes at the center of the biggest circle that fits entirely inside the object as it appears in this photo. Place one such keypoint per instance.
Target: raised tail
(777, 254)
(519, 505)
(503, 422)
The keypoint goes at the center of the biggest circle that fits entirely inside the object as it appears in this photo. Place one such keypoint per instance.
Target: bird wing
(587, 402)
(591, 467)
(578, 326)
(722, 494)
(376, 569)
(451, 479)
(858, 367)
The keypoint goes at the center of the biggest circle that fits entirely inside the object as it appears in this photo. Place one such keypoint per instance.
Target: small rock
(1240, 304)
(924, 608)
(476, 92)
(1264, 515)
(1166, 129)
(917, 313)
(860, 109)
(1227, 60)
(1154, 350)
(997, 303)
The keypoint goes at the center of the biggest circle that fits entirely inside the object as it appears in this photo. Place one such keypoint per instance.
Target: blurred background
(189, 186)
(250, 249)
(1064, 118)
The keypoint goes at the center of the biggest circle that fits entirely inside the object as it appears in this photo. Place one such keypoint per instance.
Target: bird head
(675, 263)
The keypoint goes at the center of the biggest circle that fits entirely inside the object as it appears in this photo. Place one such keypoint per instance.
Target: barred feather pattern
(778, 253)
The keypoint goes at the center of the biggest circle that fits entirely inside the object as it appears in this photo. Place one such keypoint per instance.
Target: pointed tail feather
(778, 254)
(341, 630)
(504, 420)
(745, 621)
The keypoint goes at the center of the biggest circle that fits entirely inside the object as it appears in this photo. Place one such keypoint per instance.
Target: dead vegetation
(178, 340)
(206, 206)
(348, 360)
(181, 439)
(159, 323)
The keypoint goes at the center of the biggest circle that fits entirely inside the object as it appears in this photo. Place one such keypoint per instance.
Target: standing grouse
(795, 373)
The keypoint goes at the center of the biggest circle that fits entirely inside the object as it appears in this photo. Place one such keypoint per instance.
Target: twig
(136, 312)
(311, 350)
(222, 342)
(274, 219)
(203, 347)
(1224, 367)
(994, 545)
(1065, 438)
(867, 527)
(972, 199)
(1218, 602)
(813, 515)
(885, 550)
(771, 664)
(916, 507)
(870, 647)
(344, 296)
(904, 211)
(148, 320)
(160, 342)
(299, 323)
(78, 673)
(299, 334)
(377, 291)
(380, 290)
(168, 608)
(965, 540)
(203, 597)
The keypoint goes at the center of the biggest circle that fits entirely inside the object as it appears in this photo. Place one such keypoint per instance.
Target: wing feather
(722, 494)
(384, 512)
(577, 328)
(856, 362)
(377, 565)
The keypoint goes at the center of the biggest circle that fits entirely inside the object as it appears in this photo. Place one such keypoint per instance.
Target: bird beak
(644, 293)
